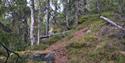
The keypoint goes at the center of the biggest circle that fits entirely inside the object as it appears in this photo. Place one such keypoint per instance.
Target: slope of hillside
(101, 43)
(93, 41)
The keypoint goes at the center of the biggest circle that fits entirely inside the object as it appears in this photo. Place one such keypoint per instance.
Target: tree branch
(9, 53)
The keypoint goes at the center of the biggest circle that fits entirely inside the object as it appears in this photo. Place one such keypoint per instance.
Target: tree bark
(47, 18)
(76, 13)
(38, 31)
(32, 38)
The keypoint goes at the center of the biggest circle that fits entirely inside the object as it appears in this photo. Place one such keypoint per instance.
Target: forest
(62, 31)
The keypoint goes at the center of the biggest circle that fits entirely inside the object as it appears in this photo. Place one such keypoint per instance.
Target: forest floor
(59, 48)
(92, 41)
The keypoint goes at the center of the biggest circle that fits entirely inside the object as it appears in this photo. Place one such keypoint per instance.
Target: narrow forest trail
(60, 51)
(59, 48)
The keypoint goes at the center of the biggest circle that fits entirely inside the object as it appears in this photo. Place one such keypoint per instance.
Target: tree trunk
(25, 32)
(76, 13)
(47, 18)
(32, 38)
(66, 13)
(98, 7)
(38, 33)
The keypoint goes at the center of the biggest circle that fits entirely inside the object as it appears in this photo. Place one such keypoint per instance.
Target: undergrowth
(96, 48)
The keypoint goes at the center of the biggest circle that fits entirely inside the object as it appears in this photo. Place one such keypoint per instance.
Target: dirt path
(60, 52)
(59, 49)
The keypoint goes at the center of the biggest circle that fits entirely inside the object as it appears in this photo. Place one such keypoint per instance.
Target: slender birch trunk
(38, 31)
(32, 38)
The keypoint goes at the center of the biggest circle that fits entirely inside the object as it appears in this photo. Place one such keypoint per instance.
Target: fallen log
(112, 23)
(54, 34)
(45, 55)
(122, 53)
(28, 52)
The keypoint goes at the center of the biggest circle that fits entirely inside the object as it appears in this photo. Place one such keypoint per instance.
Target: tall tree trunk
(25, 30)
(98, 7)
(38, 31)
(76, 13)
(67, 22)
(47, 17)
(32, 38)
(66, 13)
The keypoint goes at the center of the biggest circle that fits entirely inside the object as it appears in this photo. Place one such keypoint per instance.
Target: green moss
(120, 59)
(41, 46)
(90, 38)
(92, 49)
(76, 45)
(54, 39)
